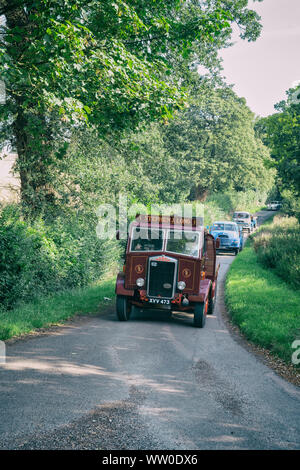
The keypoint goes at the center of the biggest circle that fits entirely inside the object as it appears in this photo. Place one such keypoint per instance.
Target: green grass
(265, 307)
(55, 309)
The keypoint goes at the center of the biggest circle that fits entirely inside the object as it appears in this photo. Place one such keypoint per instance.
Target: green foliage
(221, 206)
(291, 203)
(278, 248)
(281, 133)
(102, 63)
(38, 258)
(215, 142)
(208, 148)
(96, 171)
(265, 307)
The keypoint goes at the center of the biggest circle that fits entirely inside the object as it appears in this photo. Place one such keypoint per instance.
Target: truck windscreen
(183, 242)
(146, 239)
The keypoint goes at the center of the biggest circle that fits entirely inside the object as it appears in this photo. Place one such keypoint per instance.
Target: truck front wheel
(200, 314)
(123, 308)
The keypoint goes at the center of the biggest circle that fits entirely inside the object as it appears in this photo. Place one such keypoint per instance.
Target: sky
(263, 70)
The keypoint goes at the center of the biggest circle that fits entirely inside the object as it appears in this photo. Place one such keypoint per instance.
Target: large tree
(281, 132)
(216, 143)
(109, 64)
(209, 146)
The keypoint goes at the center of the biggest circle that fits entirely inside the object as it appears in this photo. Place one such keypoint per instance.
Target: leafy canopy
(109, 62)
(281, 132)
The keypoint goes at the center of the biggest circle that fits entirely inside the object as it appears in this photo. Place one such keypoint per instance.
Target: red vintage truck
(170, 264)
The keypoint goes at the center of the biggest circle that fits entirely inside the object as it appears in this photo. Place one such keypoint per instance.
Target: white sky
(262, 71)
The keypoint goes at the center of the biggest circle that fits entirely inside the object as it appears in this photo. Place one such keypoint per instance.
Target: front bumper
(228, 248)
(140, 298)
(228, 245)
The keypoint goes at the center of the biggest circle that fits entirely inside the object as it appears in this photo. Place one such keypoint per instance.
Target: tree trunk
(34, 162)
(32, 134)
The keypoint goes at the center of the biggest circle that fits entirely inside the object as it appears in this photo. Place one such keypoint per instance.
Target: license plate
(159, 301)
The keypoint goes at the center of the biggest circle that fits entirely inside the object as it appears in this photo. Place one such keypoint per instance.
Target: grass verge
(55, 309)
(265, 307)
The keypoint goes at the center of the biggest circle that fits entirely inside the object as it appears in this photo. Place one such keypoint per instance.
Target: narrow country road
(155, 382)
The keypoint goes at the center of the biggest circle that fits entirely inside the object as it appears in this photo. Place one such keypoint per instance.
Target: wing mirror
(217, 243)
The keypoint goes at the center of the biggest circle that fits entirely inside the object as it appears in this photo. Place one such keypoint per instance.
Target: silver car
(243, 219)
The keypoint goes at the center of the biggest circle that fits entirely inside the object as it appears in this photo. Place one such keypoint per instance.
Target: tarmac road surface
(155, 382)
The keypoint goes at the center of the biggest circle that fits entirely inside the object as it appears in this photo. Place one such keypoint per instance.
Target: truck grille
(161, 277)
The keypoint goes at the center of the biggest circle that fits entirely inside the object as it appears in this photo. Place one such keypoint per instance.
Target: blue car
(230, 236)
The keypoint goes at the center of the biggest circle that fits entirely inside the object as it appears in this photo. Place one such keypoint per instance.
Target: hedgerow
(37, 258)
(278, 247)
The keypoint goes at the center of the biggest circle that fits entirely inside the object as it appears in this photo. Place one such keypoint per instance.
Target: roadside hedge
(37, 258)
(278, 247)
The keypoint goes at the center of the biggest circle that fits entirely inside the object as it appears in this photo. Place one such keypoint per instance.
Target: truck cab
(170, 264)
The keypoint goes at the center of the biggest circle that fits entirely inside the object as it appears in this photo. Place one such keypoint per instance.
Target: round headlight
(140, 282)
(181, 285)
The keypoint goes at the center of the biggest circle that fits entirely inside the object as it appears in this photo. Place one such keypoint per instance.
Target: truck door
(210, 257)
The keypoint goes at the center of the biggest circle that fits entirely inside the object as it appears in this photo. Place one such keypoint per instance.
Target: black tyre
(200, 314)
(212, 302)
(123, 308)
(236, 251)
